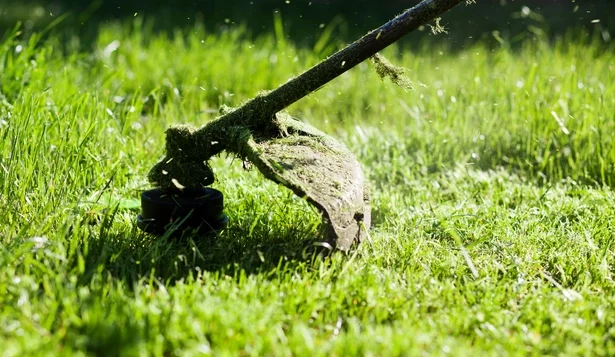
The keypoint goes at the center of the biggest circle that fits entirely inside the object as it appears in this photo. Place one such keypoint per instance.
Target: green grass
(493, 223)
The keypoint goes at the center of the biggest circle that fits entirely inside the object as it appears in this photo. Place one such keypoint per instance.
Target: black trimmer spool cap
(198, 210)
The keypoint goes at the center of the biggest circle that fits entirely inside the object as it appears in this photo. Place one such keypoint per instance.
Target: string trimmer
(310, 163)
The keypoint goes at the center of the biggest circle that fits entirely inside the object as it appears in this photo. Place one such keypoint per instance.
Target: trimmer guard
(320, 169)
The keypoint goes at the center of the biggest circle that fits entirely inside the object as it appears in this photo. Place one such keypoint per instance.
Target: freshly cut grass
(491, 185)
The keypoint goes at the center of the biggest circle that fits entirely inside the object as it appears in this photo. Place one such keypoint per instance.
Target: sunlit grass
(493, 212)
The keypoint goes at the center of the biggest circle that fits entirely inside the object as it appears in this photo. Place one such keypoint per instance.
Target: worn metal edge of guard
(287, 151)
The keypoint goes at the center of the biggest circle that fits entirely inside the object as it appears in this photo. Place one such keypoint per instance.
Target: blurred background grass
(305, 22)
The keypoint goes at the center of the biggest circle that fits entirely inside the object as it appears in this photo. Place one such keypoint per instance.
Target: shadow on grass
(132, 255)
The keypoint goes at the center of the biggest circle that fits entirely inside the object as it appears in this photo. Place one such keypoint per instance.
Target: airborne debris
(386, 69)
(437, 28)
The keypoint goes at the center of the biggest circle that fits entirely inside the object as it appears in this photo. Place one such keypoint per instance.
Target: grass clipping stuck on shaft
(386, 69)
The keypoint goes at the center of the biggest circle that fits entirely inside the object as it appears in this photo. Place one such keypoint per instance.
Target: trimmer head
(196, 210)
(312, 164)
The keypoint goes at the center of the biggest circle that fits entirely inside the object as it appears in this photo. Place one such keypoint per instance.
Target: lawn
(494, 216)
